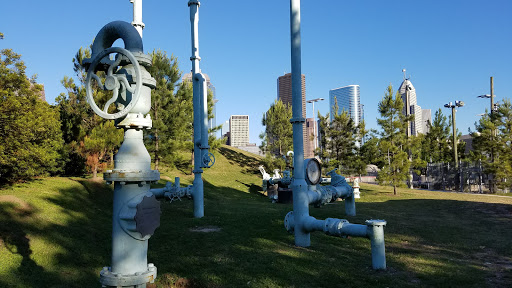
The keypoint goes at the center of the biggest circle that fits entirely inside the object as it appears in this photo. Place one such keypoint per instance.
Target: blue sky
(449, 48)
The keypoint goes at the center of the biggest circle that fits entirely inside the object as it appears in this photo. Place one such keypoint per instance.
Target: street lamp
(450, 105)
(494, 107)
(490, 96)
(312, 101)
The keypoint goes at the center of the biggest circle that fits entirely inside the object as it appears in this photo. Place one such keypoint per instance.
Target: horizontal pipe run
(354, 230)
(158, 192)
(314, 196)
(373, 230)
(335, 227)
(172, 190)
(311, 224)
(343, 191)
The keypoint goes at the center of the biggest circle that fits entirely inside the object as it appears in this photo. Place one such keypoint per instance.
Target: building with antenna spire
(421, 116)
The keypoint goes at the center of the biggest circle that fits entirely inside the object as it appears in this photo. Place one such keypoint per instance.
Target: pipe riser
(301, 212)
(198, 196)
(350, 206)
(129, 255)
(376, 235)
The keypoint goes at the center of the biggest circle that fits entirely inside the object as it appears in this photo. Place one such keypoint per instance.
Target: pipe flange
(136, 121)
(131, 176)
(194, 2)
(332, 226)
(110, 279)
(375, 222)
(289, 222)
(297, 120)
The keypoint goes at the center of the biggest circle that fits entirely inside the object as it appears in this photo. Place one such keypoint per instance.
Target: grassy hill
(55, 232)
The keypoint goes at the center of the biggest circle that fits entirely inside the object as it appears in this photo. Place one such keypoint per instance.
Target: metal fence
(467, 177)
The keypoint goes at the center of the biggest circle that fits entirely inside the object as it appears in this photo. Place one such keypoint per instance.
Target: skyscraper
(284, 93)
(348, 99)
(426, 115)
(411, 107)
(239, 130)
(311, 137)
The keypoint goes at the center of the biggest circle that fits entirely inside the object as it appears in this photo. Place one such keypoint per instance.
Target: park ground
(55, 232)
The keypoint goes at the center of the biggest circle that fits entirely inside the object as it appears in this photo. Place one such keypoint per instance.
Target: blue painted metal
(376, 235)
(299, 221)
(299, 185)
(202, 157)
(136, 212)
(200, 102)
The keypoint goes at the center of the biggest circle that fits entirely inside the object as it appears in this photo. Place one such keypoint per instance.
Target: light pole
(312, 101)
(452, 106)
(491, 186)
(490, 96)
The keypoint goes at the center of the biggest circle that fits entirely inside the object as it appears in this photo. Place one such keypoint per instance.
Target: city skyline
(348, 98)
(450, 53)
(284, 93)
(239, 130)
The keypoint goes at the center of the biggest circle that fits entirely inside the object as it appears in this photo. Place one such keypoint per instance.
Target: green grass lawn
(55, 232)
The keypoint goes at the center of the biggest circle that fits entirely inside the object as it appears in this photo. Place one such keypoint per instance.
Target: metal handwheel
(113, 82)
(208, 160)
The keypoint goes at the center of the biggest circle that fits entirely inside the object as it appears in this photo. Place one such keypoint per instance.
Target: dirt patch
(22, 205)
(205, 229)
(499, 267)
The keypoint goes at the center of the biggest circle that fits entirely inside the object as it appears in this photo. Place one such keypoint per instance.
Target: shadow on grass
(252, 188)
(429, 243)
(248, 164)
(78, 238)
(13, 235)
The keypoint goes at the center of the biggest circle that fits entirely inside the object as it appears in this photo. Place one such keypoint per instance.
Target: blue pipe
(197, 184)
(373, 230)
(109, 34)
(299, 185)
(299, 221)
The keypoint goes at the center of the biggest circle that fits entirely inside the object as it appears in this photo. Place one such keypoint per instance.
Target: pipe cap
(375, 222)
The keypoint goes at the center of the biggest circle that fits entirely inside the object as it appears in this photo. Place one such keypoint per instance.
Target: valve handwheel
(113, 82)
(208, 160)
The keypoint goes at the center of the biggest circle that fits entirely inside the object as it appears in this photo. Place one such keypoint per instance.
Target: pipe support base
(110, 279)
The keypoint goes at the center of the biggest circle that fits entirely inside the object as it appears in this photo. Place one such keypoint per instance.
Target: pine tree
(492, 143)
(322, 151)
(370, 152)
(30, 136)
(435, 147)
(393, 144)
(100, 142)
(76, 116)
(277, 139)
(166, 73)
(339, 141)
(341, 144)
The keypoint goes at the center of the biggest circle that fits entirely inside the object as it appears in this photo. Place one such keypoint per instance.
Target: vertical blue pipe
(376, 235)
(350, 205)
(129, 255)
(299, 186)
(197, 188)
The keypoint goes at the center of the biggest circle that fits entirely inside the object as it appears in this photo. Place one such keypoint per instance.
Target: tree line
(68, 138)
(350, 147)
